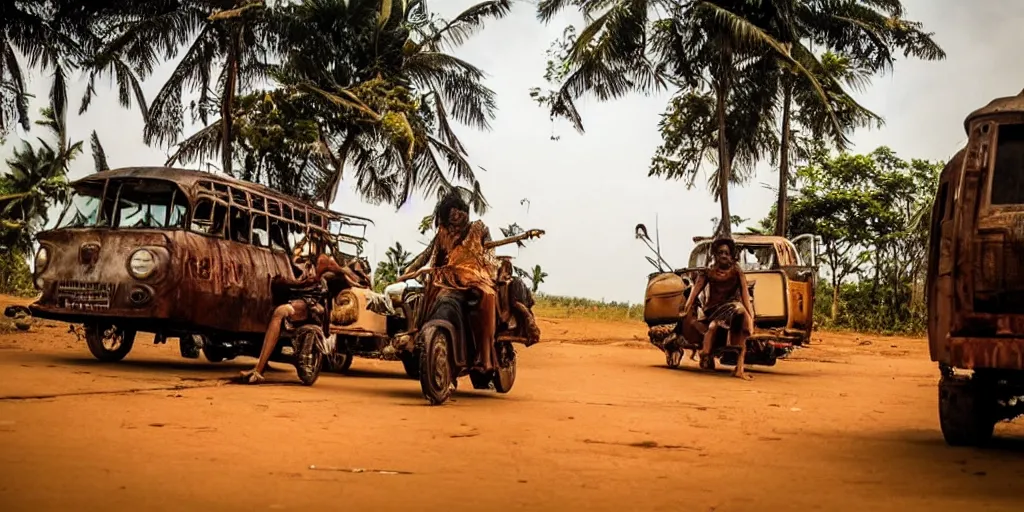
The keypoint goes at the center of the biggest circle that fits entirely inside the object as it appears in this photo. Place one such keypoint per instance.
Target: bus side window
(260, 233)
(239, 227)
(1007, 178)
(277, 236)
(296, 236)
(208, 218)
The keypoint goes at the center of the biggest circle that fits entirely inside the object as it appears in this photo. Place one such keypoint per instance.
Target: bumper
(79, 315)
(1001, 353)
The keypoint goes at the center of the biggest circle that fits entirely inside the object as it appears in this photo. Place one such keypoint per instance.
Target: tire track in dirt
(129, 391)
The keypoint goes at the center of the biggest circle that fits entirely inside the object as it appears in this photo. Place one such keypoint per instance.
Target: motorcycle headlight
(141, 264)
(42, 260)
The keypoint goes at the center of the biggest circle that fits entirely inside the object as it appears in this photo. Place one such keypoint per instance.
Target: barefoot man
(728, 304)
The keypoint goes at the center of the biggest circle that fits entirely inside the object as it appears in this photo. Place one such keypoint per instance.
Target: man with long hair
(728, 306)
(461, 262)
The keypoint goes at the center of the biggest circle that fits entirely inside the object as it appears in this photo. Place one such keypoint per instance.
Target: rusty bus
(177, 253)
(975, 281)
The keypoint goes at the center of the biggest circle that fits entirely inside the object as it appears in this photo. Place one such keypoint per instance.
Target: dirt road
(595, 422)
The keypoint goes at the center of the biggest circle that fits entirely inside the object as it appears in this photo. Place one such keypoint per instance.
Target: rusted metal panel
(976, 286)
(971, 353)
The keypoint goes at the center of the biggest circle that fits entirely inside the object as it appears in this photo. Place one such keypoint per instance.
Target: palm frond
(99, 156)
(457, 31)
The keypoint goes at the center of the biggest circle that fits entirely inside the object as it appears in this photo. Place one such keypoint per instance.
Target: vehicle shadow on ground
(726, 371)
(149, 365)
(465, 392)
(365, 373)
(930, 467)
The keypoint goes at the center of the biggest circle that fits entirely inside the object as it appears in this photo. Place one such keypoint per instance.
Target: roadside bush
(554, 306)
(862, 310)
(15, 275)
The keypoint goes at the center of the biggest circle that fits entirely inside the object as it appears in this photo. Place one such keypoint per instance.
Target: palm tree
(706, 46)
(59, 37)
(536, 277)
(31, 28)
(22, 27)
(864, 33)
(225, 46)
(369, 78)
(37, 180)
(388, 270)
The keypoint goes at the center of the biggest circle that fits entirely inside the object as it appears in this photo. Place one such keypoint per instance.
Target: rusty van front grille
(84, 296)
(1000, 289)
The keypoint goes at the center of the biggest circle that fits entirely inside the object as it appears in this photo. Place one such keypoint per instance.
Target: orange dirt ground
(595, 422)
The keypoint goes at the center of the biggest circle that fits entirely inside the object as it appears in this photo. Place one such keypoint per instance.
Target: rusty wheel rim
(441, 374)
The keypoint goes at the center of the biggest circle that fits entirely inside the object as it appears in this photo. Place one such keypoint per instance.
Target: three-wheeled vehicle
(975, 280)
(781, 276)
(183, 254)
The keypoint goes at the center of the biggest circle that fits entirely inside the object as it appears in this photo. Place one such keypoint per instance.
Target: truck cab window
(1008, 174)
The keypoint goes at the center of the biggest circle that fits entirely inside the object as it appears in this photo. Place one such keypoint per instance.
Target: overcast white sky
(589, 191)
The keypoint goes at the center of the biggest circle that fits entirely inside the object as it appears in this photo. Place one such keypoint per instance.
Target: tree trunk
(331, 190)
(227, 102)
(724, 160)
(782, 206)
(835, 300)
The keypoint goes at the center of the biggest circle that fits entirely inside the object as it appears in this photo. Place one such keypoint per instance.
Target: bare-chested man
(728, 304)
(304, 293)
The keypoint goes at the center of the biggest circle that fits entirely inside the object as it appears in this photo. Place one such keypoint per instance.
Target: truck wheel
(435, 369)
(212, 353)
(673, 358)
(338, 362)
(308, 359)
(108, 343)
(190, 345)
(966, 413)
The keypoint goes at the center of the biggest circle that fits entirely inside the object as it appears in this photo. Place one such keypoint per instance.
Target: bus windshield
(126, 203)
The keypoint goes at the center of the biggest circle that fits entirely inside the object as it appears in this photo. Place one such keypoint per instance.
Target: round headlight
(141, 264)
(42, 260)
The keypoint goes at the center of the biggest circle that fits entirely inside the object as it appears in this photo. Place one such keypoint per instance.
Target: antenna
(657, 235)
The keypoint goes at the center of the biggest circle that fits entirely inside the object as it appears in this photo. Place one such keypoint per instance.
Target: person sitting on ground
(728, 305)
(302, 298)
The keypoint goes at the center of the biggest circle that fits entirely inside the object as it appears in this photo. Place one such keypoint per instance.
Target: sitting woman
(302, 297)
(728, 304)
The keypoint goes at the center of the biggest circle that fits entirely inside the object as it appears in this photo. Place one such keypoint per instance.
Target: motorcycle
(445, 341)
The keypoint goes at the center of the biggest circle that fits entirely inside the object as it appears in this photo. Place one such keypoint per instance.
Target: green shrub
(554, 306)
(15, 275)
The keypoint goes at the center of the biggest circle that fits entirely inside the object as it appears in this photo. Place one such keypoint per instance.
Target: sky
(588, 191)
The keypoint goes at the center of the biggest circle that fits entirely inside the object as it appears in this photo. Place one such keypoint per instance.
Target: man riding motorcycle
(461, 262)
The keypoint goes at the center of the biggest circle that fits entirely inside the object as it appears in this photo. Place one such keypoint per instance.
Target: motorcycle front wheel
(505, 377)
(308, 358)
(435, 369)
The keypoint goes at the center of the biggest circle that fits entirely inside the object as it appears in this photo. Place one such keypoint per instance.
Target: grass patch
(554, 306)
